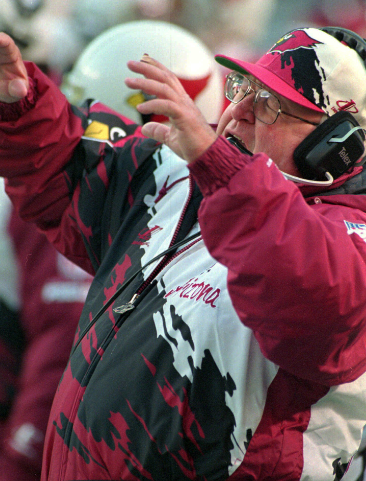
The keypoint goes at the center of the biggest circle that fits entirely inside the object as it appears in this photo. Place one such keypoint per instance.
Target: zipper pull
(126, 307)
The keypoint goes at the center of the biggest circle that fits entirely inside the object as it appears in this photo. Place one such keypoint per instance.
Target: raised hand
(14, 82)
(188, 133)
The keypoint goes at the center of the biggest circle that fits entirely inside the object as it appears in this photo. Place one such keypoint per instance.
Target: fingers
(170, 98)
(149, 86)
(141, 66)
(9, 52)
(154, 70)
(14, 81)
(188, 134)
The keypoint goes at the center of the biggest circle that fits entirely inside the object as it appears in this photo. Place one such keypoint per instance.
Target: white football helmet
(100, 70)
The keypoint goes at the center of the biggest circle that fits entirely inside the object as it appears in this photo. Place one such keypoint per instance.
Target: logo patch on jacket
(359, 229)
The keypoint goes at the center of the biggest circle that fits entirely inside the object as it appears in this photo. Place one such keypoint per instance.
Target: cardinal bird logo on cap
(293, 41)
(297, 63)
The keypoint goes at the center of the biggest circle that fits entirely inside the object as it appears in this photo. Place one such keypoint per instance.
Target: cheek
(224, 120)
(267, 140)
(275, 144)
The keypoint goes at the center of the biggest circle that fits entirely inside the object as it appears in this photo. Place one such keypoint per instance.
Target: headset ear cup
(316, 136)
(316, 154)
(313, 139)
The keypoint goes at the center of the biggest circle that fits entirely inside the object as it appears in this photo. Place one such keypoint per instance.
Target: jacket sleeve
(296, 276)
(38, 136)
(57, 157)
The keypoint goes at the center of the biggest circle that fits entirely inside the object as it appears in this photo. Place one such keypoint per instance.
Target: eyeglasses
(266, 106)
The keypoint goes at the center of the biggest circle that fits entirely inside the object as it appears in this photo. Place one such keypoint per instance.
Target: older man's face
(277, 140)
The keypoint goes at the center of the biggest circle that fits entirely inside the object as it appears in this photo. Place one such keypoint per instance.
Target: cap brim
(267, 78)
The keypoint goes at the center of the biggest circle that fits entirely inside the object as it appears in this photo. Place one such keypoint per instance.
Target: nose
(243, 110)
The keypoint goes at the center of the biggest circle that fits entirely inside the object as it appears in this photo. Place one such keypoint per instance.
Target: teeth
(235, 140)
(239, 139)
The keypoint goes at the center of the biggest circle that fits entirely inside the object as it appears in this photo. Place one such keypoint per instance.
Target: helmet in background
(100, 70)
(43, 31)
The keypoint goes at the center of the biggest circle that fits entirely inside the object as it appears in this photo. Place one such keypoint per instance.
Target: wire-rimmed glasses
(266, 106)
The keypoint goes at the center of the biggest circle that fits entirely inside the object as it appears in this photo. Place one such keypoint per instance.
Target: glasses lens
(266, 107)
(236, 87)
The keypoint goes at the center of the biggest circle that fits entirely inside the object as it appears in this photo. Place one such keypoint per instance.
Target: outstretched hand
(188, 133)
(14, 82)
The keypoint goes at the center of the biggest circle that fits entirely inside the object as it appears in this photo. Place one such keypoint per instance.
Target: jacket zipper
(129, 306)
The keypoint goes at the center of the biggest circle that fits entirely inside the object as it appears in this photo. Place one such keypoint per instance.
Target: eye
(234, 87)
(264, 95)
(237, 82)
(268, 99)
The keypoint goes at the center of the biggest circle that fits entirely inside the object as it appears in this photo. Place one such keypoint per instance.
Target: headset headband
(352, 39)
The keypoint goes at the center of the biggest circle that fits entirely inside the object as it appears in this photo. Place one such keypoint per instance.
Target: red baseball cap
(311, 68)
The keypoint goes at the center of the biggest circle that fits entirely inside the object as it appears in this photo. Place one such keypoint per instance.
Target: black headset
(338, 143)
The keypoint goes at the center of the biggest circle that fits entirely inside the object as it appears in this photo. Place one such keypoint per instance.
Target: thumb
(162, 133)
(18, 88)
(156, 131)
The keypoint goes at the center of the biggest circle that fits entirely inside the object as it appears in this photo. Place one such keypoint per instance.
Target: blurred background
(53, 33)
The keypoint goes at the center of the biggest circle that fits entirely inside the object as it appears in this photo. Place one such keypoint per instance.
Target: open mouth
(233, 139)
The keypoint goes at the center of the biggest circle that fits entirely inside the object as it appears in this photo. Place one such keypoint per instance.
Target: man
(239, 354)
